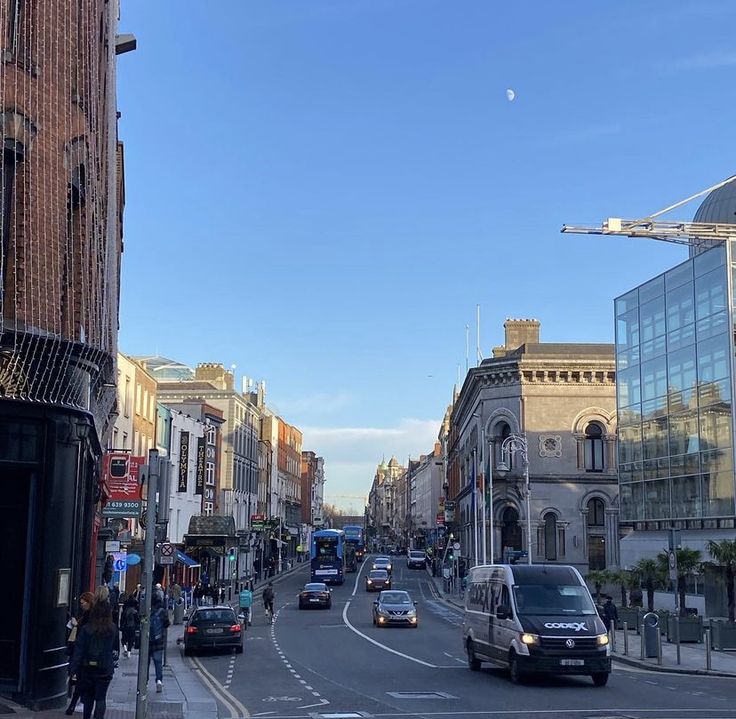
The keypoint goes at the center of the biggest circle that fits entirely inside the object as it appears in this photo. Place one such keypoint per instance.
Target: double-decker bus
(327, 555)
(354, 536)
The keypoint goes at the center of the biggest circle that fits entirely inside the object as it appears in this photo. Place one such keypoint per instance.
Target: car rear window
(315, 587)
(214, 615)
(379, 574)
(416, 555)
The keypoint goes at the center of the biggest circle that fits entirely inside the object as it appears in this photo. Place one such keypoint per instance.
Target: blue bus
(354, 536)
(327, 555)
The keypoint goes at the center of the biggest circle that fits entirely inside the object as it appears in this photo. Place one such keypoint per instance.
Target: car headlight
(602, 640)
(388, 566)
(370, 581)
(531, 640)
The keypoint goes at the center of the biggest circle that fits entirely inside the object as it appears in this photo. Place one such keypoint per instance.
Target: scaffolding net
(60, 221)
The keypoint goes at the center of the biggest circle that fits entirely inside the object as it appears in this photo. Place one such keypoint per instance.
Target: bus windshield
(553, 600)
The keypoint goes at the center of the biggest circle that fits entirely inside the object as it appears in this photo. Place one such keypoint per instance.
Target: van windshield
(553, 600)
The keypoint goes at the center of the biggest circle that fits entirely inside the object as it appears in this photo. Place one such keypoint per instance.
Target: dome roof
(719, 206)
(393, 462)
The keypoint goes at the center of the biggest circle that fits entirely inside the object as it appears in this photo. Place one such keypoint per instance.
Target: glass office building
(674, 362)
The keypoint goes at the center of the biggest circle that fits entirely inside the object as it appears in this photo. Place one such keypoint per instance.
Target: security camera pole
(141, 698)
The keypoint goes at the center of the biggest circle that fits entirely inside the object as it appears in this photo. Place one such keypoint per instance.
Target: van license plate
(572, 662)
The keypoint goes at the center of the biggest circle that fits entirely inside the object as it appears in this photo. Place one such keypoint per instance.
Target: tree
(599, 577)
(687, 561)
(626, 580)
(650, 576)
(724, 555)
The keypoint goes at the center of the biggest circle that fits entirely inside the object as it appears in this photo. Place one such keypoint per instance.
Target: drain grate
(421, 695)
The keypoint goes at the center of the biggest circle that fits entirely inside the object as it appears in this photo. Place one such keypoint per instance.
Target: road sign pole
(141, 699)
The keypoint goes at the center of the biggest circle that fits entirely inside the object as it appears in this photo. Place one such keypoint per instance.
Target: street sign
(456, 546)
(120, 561)
(166, 553)
(672, 561)
(112, 546)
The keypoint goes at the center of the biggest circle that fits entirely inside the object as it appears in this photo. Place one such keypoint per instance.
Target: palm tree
(650, 576)
(623, 578)
(724, 555)
(687, 561)
(599, 577)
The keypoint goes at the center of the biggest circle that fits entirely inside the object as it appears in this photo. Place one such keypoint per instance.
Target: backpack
(268, 594)
(156, 633)
(96, 649)
(131, 618)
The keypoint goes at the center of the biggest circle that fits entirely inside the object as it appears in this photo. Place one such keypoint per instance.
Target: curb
(670, 670)
(438, 594)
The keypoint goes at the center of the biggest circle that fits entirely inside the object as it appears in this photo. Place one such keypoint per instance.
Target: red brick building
(61, 202)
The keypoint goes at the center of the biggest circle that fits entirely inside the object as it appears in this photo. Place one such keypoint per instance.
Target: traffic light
(451, 555)
(232, 554)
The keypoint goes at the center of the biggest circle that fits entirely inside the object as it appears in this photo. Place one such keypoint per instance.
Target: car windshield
(395, 598)
(378, 574)
(315, 587)
(215, 615)
(553, 600)
(382, 560)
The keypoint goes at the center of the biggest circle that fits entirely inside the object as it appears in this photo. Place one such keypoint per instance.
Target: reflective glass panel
(654, 289)
(681, 338)
(680, 307)
(627, 330)
(655, 438)
(681, 372)
(653, 348)
(651, 318)
(654, 378)
(710, 326)
(716, 392)
(710, 260)
(687, 500)
(657, 499)
(629, 386)
(713, 359)
(684, 435)
(627, 302)
(679, 275)
(710, 293)
(715, 426)
(718, 494)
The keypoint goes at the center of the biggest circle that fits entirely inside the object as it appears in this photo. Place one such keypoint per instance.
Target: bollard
(641, 636)
(677, 637)
(659, 648)
(612, 638)
(706, 639)
(626, 639)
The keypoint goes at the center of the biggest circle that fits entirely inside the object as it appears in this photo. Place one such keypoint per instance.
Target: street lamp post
(516, 444)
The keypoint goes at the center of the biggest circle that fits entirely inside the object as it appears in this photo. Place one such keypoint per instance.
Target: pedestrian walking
(159, 622)
(114, 600)
(610, 614)
(75, 625)
(93, 661)
(130, 623)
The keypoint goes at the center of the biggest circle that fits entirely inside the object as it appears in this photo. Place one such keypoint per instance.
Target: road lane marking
(235, 708)
(378, 644)
(322, 703)
(357, 577)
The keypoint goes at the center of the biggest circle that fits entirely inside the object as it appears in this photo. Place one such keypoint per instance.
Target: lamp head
(502, 468)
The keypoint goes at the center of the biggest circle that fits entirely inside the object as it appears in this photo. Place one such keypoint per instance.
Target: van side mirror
(503, 611)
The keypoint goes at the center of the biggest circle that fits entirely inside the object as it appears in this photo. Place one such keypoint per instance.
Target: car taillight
(235, 628)
(192, 630)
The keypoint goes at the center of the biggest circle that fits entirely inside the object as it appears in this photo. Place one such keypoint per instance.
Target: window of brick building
(11, 157)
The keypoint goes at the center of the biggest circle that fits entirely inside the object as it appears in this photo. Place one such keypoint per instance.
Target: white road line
(235, 708)
(316, 694)
(306, 686)
(322, 702)
(378, 644)
(357, 576)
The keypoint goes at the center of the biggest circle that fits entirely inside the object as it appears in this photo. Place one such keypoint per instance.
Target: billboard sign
(120, 473)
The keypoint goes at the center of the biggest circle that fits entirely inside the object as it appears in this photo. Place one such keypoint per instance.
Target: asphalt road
(334, 664)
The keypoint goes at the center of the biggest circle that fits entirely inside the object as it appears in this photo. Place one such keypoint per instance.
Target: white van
(534, 618)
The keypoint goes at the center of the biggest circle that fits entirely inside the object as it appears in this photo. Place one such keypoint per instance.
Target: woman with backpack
(157, 639)
(129, 625)
(93, 661)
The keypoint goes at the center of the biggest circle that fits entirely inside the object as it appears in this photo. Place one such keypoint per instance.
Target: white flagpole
(478, 355)
(483, 492)
(475, 508)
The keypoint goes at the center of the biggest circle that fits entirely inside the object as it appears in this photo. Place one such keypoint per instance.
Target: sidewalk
(692, 656)
(183, 696)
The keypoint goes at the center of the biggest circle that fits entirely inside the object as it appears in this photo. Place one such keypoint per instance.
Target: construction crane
(682, 233)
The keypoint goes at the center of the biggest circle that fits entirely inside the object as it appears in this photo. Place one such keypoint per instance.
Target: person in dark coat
(129, 624)
(610, 614)
(159, 622)
(93, 661)
(75, 625)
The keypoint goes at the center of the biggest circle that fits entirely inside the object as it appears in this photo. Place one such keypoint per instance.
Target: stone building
(61, 204)
(561, 399)
(386, 502)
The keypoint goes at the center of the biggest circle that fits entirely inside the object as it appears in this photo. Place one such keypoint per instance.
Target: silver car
(395, 607)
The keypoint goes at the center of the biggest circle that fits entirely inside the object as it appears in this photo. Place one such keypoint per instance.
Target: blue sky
(321, 191)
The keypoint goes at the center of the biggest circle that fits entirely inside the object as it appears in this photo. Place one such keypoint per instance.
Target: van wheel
(515, 673)
(600, 679)
(473, 661)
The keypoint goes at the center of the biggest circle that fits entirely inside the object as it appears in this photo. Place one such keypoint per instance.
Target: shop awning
(186, 559)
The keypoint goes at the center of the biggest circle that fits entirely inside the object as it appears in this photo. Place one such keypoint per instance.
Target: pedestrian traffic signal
(232, 554)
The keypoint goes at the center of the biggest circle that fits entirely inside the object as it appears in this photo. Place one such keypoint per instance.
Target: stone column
(612, 547)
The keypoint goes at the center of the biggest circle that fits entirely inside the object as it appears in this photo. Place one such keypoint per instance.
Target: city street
(321, 663)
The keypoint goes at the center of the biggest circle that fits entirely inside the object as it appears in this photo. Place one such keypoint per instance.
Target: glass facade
(674, 394)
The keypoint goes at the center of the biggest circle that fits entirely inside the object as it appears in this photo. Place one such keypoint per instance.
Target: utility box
(650, 630)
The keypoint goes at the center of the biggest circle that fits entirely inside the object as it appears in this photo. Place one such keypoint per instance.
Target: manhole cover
(421, 695)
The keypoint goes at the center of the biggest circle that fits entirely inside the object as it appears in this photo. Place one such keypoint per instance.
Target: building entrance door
(15, 486)
(510, 529)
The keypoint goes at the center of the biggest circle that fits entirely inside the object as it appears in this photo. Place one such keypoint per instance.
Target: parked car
(213, 628)
(416, 559)
(382, 563)
(376, 580)
(395, 607)
(315, 594)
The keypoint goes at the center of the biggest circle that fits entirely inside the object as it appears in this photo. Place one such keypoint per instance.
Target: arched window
(550, 536)
(596, 534)
(510, 529)
(504, 431)
(594, 461)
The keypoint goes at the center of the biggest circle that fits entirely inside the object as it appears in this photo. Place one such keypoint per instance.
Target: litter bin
(650, 625)
(179, 611)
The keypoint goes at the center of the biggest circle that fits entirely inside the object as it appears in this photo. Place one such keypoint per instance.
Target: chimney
(520, 332)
